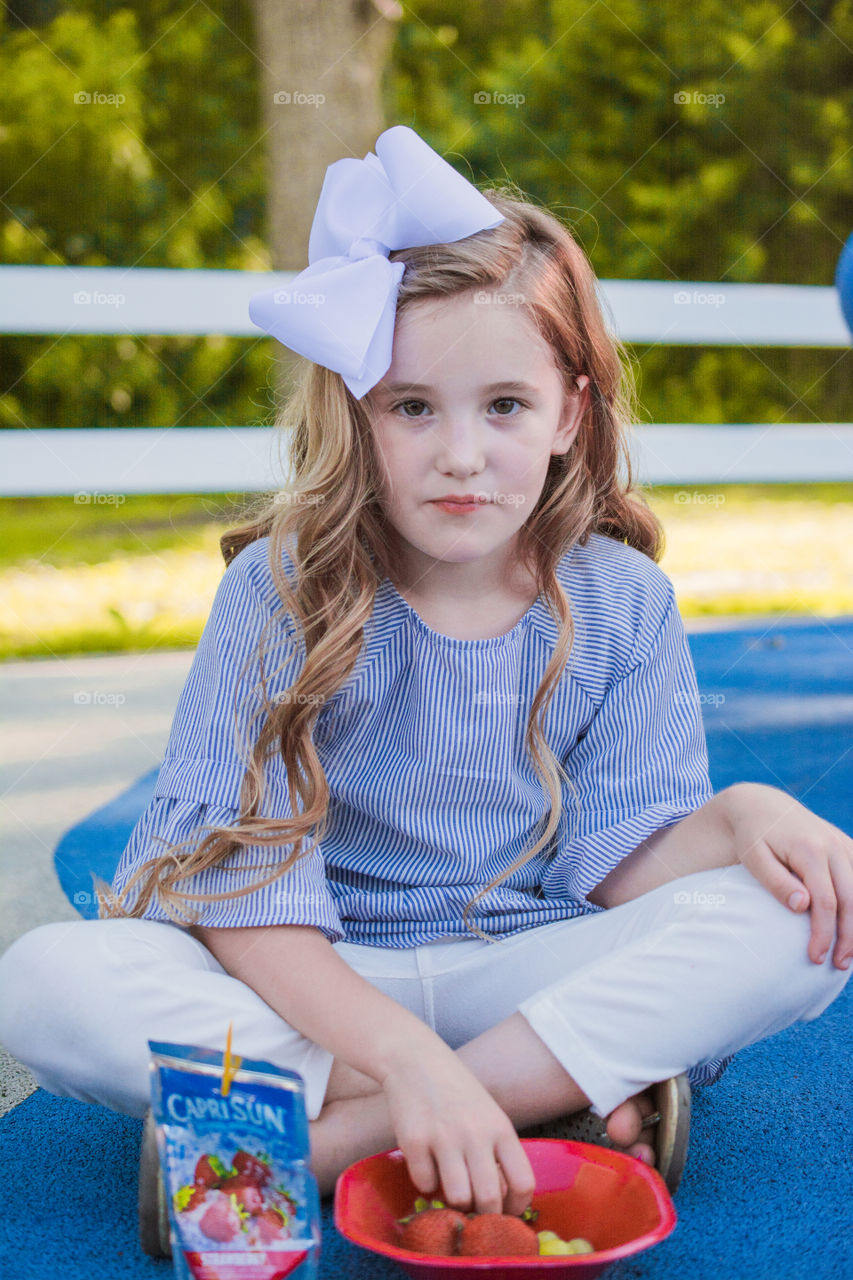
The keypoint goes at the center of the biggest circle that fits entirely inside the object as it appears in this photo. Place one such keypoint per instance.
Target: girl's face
(472, 403)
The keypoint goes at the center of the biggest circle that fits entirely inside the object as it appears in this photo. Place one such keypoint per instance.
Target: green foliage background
(756, 188)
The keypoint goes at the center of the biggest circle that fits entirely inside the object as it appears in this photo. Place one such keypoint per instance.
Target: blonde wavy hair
(330, 511)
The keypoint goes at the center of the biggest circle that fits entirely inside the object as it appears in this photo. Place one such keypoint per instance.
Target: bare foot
(625, 1126)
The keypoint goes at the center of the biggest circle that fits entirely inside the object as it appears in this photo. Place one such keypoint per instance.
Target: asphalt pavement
(77, 731)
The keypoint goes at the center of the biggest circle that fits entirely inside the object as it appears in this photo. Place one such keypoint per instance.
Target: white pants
(680, 977)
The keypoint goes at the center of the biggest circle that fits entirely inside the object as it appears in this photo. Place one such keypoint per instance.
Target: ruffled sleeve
(217, 718)
(641, 764)
(301, 896)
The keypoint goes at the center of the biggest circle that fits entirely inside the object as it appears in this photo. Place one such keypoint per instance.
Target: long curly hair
(331, 514)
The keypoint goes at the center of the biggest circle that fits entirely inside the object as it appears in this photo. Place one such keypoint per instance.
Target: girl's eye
(506, 400)
(404, 403)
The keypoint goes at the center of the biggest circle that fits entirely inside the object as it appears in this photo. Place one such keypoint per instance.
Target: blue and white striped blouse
(423, 748)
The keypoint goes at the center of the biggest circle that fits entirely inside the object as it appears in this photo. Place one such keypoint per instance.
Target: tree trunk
(321, 64)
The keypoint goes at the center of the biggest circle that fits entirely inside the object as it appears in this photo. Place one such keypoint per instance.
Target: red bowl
(617, 1203)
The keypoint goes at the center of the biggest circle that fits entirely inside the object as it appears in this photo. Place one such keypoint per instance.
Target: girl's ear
(575, 405)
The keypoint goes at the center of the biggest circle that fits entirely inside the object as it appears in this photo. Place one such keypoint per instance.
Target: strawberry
(270, 1225)
(221, 1221)
(197, 1197)
(497, 1235)
(205, 1173)
(432, 1231)
(249, 1166)
(278, 1198)
(247, 1191)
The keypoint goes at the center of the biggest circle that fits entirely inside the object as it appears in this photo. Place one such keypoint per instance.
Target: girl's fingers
(842, 877)
(815, 887)
(421, 1166)
(762, 862)
(822, 879)
(521, 1180)
(455, 1180)
(824, 909)
(485, 1180)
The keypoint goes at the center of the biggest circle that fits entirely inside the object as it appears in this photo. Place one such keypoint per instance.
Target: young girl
(434, 827)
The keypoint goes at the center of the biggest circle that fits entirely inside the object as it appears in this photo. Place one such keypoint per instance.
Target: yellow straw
(230, 1064)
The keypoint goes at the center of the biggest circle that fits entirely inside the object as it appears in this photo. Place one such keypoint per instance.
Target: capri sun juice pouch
(243, 1201)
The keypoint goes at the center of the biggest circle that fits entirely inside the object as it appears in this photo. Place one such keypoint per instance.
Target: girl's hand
(455, 1137)
(793, 851)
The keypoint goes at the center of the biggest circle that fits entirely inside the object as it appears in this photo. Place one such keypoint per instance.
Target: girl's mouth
(458, 508)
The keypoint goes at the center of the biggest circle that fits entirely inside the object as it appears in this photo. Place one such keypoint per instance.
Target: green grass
(141, 573)
(61, 531)
(741, 549)
(745, 496)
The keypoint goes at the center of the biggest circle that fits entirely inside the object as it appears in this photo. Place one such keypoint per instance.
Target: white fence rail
(172, 301)
(97, 465)
(133, 301)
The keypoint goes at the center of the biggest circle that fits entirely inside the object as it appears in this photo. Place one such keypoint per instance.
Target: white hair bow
(340, 310)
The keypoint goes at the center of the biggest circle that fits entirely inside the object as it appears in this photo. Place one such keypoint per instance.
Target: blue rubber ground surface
(768, 1188)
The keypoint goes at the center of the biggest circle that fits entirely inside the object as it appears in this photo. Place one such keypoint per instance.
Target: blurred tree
(30, 13)
(747, 176)
(709, 143)
(169, 174)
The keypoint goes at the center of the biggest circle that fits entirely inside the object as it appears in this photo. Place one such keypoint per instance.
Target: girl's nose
(461, 447)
